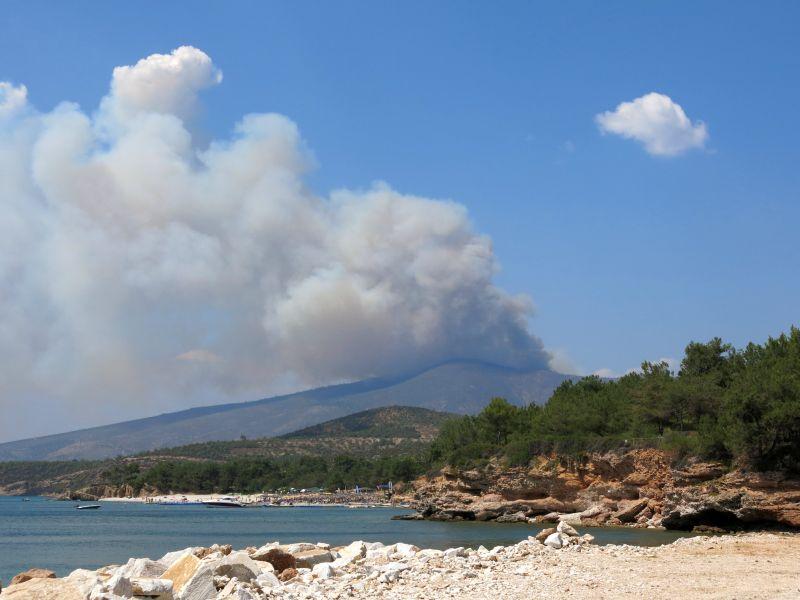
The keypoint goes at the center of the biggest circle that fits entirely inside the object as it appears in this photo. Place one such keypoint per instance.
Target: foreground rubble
(557, 562)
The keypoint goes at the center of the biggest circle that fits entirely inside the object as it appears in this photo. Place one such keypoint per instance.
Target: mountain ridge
(461, 387)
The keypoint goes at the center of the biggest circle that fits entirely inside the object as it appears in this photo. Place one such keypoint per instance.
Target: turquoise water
(53, 535)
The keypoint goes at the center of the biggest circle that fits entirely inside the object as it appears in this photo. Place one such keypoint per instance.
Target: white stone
(149, 586)
(84, 580)
(200, 586)
(237, 564)
(323, 571)
(267, 580)
(172, 557)
(299, 547)
(566, 528)
(350, 554)
(454, 552)
(554, 540)
(405, 550)
(143, 567)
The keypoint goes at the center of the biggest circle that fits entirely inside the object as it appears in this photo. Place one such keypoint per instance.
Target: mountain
(462, 387)
(390, 431)
(403, 422)
(385, 431)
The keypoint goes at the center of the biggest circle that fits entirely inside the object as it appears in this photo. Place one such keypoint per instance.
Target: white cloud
(657, 122)
(12, 99)
(140, 272)
(162, 83)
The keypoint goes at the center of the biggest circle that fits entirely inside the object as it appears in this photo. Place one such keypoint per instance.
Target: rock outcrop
(639, 488)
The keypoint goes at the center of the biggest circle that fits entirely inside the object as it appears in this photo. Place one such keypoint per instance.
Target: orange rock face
(640, 488)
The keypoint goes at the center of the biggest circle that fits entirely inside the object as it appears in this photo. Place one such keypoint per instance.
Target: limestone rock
(239, 565)
(84, 580)
(170, 557)
(267, 580)
(279, 560)
(43, 589)
(34, 573)
(143, 567)
(544, 534)
(517, 517)
(288, 574)
(181, 571)
(261, 552)
(323, 571)
(308, 558)
(566, 529)
(556, 540)
(152, 587)
(200, 585)
(629, 509)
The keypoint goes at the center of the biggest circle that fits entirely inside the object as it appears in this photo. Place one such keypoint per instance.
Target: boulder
(170, 557)
(486, 515)
(279, 560)
(288, 574)
(84, 580)
(143, 567)
(308, 558)
(299, 547)
(43, 589)
(517, 517)
(405, 550)
(34, 573)
(323, 571)
(239, 565)
(545, 533)
(556, 540)
(571, 518)
(267, 580)
(152, 587)
(566, 528)
(181, 571)
(350, 554)
(119, 585)
(261, 552)
(200, 585)
(455, 552)
(629, 509)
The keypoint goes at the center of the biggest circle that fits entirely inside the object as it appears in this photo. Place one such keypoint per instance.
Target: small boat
(87, 506)
(225, 502)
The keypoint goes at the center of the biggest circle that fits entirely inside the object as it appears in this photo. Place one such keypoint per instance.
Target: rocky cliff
(642, 488)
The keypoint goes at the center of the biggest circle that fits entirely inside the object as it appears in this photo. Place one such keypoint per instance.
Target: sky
(601, 183)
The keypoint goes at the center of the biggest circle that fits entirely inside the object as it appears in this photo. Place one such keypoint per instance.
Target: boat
(87, 506)
(224, 502)
(184, 501)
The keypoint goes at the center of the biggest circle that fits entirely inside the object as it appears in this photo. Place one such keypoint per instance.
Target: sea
(41, 532)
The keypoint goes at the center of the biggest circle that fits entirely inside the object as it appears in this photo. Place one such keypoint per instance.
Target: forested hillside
(740, 406)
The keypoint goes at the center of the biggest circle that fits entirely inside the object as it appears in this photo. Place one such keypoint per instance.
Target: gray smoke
(140, 271)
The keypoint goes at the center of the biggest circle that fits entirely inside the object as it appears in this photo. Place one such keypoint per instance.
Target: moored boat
(87, 506)
(224, 502)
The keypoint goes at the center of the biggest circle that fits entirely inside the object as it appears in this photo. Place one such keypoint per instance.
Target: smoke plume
(138, 270)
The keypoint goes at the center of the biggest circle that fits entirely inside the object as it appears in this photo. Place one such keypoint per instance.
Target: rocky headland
(555, 564)
(640, 488)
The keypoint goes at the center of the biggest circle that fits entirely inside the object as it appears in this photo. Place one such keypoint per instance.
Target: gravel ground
(755, 565)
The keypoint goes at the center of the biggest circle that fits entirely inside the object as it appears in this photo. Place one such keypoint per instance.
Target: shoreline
(747, 565)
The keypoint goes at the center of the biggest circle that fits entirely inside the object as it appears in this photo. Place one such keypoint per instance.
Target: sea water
(54, 535)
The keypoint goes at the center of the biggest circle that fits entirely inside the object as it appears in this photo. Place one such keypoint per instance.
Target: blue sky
(626, 255)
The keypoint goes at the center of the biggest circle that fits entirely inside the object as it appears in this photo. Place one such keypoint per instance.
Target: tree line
(740, 406)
